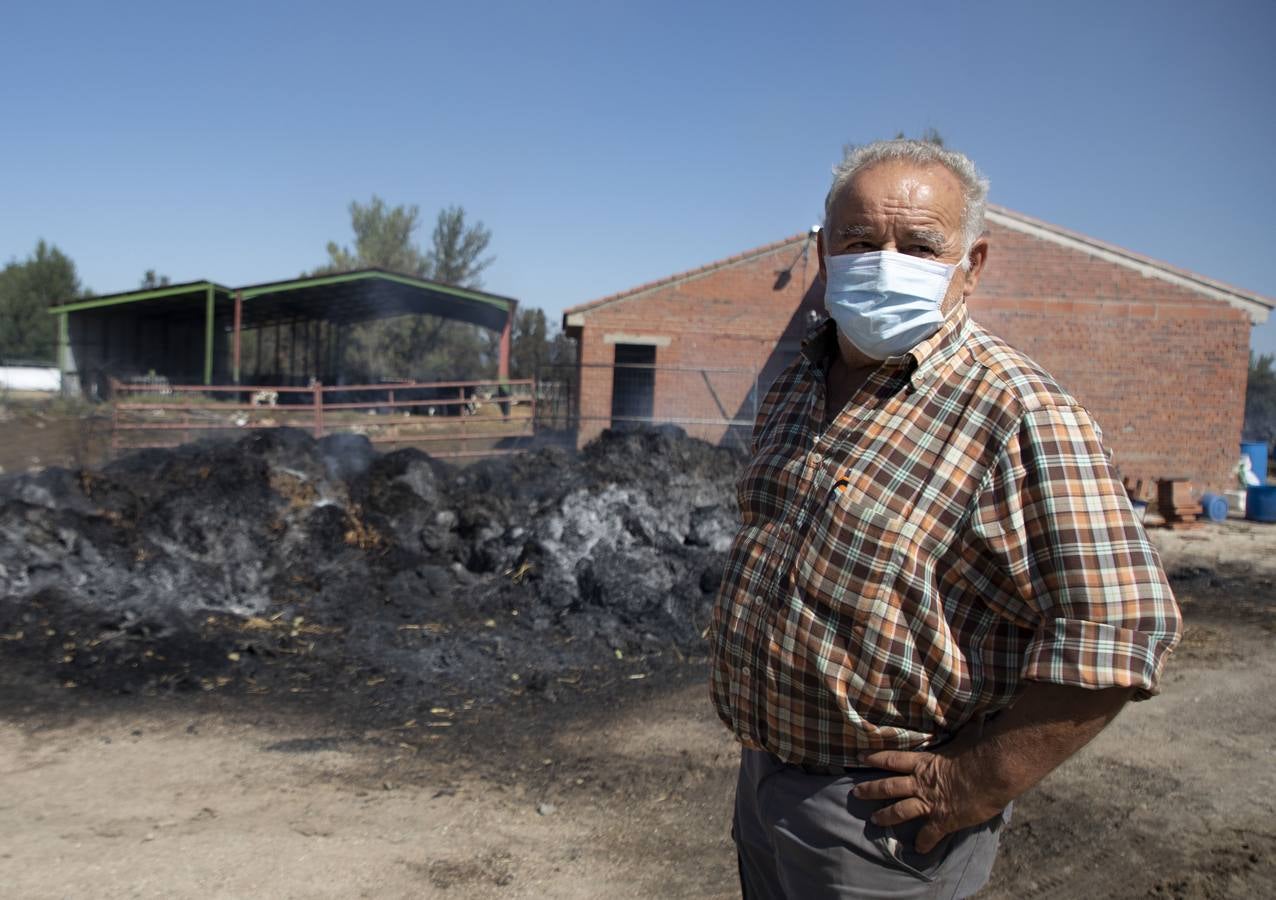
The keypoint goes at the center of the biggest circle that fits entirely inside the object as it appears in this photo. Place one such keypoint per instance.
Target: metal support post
(239, 320)
(503, 364)
(208, 336)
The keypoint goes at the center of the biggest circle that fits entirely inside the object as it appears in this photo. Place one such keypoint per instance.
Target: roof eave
(1255, 305)
(270, 287)
(173, 290)
(682, 277)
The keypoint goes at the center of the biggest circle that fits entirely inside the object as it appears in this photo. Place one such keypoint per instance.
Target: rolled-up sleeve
(1053, 517)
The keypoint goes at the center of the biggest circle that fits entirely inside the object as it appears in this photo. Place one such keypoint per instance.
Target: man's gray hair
(923, 153)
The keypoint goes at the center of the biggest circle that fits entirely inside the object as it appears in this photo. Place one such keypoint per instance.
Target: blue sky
(609, 143)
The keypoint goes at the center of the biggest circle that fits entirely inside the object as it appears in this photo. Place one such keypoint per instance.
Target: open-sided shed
(192, 333)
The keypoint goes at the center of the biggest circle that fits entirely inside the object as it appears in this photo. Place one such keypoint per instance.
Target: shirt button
(815, 457)
(785, 529)
(758, 599)
(745, 672)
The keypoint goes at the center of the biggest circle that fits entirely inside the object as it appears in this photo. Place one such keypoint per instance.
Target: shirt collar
(919, 363)
(931, 354)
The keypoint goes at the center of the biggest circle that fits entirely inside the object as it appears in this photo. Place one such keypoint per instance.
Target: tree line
(1260, 399)
(47, 277)
(417, 347)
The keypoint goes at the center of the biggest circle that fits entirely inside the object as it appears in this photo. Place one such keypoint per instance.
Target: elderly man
(939, 591)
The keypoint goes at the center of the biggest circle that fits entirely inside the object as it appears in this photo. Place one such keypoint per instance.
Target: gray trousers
(801, 836)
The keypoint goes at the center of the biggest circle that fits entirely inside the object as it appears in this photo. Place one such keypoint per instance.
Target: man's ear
(819, 252)
(978, 257)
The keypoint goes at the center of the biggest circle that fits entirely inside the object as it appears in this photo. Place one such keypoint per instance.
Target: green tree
(1260, 399)
(456, 256)
(382, 240)
(562, 350)
(529, 343)
(27, 289)
(416, 347)
(150, 281)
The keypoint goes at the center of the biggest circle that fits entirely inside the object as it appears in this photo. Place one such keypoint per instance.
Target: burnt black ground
(391, 584)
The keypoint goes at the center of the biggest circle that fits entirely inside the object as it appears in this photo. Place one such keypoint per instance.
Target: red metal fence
(455, 418)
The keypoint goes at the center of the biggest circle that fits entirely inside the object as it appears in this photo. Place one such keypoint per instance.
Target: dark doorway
(633, 386)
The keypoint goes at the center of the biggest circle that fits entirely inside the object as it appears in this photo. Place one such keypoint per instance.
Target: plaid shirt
(956, 531)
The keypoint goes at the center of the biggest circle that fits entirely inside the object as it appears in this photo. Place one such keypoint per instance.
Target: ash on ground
(280, 564)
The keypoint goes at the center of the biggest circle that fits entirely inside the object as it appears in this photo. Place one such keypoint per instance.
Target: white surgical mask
(886, 303)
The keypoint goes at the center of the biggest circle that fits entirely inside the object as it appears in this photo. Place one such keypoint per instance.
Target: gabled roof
(1256, 305)
(682, 276)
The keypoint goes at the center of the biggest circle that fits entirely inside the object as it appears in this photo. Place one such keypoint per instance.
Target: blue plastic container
(1214, 507)
(1257, 453)
(1260, 503)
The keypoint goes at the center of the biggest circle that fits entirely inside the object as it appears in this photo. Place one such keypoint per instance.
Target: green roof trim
(135, 296)
(277, 287)
(321, 280)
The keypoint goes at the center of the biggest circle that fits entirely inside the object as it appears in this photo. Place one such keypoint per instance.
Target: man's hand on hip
(940, 788)
(972, 779)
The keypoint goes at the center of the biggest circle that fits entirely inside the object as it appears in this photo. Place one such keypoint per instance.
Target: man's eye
(919, 250)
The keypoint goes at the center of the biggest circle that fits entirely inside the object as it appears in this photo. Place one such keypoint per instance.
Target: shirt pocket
(852, 555)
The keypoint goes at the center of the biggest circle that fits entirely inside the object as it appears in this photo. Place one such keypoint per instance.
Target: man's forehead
(901, 187)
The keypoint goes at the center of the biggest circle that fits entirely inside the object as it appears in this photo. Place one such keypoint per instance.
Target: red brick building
(1156, 353)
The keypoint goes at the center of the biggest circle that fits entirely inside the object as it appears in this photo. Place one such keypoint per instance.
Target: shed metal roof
(169, 292)
(345, 297)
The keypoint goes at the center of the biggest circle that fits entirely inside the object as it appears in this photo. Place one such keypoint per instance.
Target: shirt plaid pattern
(955, 531)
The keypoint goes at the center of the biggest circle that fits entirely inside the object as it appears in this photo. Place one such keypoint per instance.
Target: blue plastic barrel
(1260, 503)
(1214, 507)
(1257, 453)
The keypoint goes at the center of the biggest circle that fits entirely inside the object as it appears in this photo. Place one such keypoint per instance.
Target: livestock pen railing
(452, 418)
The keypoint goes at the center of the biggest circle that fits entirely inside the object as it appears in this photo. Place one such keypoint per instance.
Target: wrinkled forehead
(898, 188)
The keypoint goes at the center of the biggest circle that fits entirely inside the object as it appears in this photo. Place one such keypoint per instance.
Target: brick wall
(1162, 368)
(728, 318)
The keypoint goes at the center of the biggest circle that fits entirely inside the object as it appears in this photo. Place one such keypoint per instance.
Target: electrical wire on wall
(785, 275)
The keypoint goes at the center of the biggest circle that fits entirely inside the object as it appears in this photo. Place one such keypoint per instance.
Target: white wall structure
(30, 378)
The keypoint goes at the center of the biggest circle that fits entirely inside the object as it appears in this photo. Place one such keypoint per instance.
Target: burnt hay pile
(277, 563)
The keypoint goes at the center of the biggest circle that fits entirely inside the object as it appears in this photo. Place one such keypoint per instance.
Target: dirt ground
(43, 430)
(623, 793)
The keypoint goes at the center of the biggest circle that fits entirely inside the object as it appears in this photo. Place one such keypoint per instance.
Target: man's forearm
(1047, 724)
(972, 779)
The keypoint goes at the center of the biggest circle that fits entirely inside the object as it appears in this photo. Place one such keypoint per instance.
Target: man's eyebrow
(936, 240)
(854, 231)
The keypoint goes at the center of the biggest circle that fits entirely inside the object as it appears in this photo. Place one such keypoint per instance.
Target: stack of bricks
(1138, 490)
(1175, 503)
